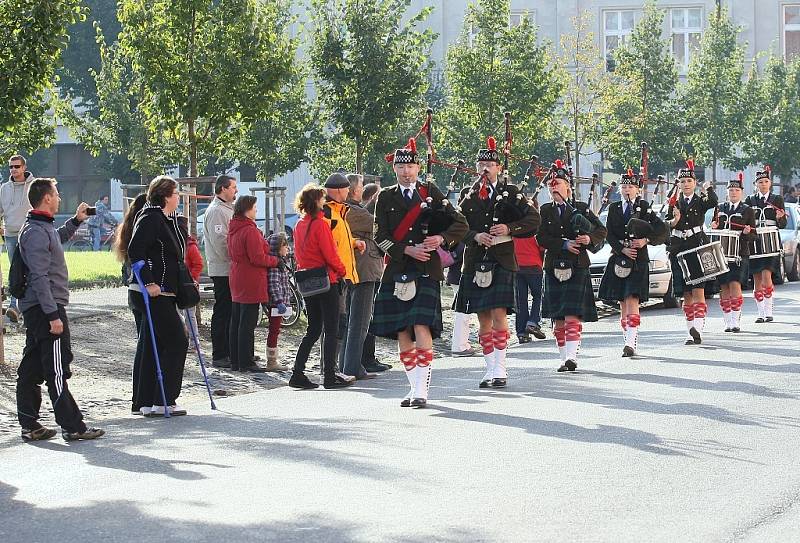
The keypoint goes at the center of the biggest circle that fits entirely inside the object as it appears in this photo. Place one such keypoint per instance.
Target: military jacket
(692, 217)
(617, 231)
(743, 214)
(557, 228)
(766, 215)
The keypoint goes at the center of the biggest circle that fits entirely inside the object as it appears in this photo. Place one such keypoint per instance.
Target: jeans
(528, 280)
(11, 245)
(244, 318)
(97, 234)
(221, 318)
(359, 311)
(320, 315)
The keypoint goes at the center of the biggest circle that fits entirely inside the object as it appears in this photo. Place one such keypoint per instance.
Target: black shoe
(728, 330)
(524, 338)
(536, 332)
(405, 402)
(695, 335)
(760, 320)
(498, 382)
(375, 368)
(486, 383)
(89, 433)
(689, 341)
(736, 329)
(336, 382)
(569, 365)
(419, 402)
(37, 434)
(300, 381)
(255, 368)
(627, 351)
(383, 365)
(221, 363)
(769, 319)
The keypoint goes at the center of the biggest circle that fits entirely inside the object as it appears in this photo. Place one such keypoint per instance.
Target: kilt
(573, 297)
(474, 299)
(737, 272)
(679, 285)
(615, 289)
(391, 315)
(772, 264)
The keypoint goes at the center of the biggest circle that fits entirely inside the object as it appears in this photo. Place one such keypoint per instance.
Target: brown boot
(272, 360)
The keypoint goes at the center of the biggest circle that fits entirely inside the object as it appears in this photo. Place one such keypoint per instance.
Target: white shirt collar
(412, 186)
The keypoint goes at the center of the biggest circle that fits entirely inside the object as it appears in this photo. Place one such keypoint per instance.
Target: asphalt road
(684, 444)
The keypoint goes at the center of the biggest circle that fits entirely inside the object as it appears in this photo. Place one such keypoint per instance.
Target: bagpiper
(408, 305)
(569, 228)
(769, 210)
(632, 226)
(686, 217)
(736, 216)
(495, 211)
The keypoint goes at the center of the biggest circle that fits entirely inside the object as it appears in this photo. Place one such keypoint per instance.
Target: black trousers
(322, 313)
(137, 360)
(221, 318)
(244, 318)
(171, 344)
(46, 358)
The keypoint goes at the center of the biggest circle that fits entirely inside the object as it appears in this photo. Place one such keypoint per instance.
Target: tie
(407, 194)
(561, 209)
(686, 201)
(483, 193)
(627, 215)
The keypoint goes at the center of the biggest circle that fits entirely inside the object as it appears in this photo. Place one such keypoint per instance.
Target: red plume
(767, 168)
(630, 172)
(492, 143)
(673, 199)
(412, 145)
(690, 164)
(559, 164)
(389, 158)
(741, 177)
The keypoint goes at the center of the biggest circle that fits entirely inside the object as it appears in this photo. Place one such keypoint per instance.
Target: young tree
(368, 65)
(208, 68)
(712, 93)
(639, 104)
(31, 41)
(494, 68)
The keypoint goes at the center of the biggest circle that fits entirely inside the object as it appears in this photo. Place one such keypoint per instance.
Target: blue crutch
(137, 268)
(191, 322)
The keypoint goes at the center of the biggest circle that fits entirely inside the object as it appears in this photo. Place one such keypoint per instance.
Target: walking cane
(137, 267)
(190, 320)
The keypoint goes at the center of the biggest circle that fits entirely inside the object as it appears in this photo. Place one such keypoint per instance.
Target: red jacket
(528, 252)
(193, 259)
(314, 247)
(250, 259)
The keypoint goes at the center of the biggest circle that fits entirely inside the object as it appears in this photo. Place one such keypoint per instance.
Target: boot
(272, 360)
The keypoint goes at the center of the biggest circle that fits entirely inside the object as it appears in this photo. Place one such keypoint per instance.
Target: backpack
(18, 275)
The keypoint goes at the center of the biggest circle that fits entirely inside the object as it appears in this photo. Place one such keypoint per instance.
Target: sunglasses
(14, 166)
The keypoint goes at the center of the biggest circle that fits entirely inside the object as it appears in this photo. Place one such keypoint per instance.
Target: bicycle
(296, 301)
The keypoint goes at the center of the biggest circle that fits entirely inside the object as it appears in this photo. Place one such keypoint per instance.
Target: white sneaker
(145, 410)
(158, 411)
(176, 411)
(345, 377)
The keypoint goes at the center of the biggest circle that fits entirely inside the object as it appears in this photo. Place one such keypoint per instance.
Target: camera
(91, 211)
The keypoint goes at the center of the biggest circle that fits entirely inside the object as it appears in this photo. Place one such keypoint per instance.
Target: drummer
(737, 217)
(632, 226)
(769, 211)
(686, 216)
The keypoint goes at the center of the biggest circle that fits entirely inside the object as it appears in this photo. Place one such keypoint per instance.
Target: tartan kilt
(500, 294)
(573, 297)
(615, 289)
(679, 285)
(772, 264)
(738, 272)
(391, 315)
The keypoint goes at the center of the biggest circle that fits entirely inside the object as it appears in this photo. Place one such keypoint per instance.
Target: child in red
(279, 298)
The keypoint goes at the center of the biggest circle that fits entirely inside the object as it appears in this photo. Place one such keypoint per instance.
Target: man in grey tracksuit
(14, 207)
(47, 354)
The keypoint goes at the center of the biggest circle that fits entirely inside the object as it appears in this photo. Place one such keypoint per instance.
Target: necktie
(483, 193)
(627, 215)
(686, 201)
(407, 194)
(561, 209)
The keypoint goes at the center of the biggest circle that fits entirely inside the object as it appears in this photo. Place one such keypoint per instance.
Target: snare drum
(703, 263)
(767, 243)
(729, 242)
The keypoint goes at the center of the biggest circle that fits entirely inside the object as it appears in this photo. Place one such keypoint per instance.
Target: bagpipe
(581, 224)
(436, 215)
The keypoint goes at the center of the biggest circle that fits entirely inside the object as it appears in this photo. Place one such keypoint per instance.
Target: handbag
(312, 281)
(405, 286)
(484, 274)
(186, 294)
(446, 257)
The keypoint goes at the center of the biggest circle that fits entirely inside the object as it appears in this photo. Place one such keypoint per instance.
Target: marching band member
(495, 212)
(686, 216)
(735, 215)
(408, 304)
(769, 211)
(568, 229)
(632, 226)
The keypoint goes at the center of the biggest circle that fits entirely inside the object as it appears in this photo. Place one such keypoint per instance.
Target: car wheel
(670, 301)
(794, 274)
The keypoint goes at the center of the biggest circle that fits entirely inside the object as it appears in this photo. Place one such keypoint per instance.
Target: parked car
(660, 271)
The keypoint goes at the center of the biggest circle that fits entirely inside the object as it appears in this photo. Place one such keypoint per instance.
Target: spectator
(14, 207)
(157, 240)
(250, 260)
(194, 263)
(369, 196)
(48, 353)
(279, 298)
(215, 238)
(459, 342)
(529, 279)
(369, 267)
(790, 195)
(96, 223)
(315, 248)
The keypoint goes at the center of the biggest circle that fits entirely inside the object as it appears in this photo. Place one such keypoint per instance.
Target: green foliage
(640, 104)
(32, 38)
(370, 69)
(712, 92)
(494, 68)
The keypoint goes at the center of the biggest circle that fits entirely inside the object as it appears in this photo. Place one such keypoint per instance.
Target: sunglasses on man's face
(14, 166)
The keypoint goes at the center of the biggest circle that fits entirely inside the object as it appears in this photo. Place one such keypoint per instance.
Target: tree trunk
(359, 156)
(192, 148)
(714, 171)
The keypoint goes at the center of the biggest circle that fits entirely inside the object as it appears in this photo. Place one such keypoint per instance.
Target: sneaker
(367, 375)
(337, 382)
(12, 313)
(345, 377)
(89, 433)
(524, 338)
(176, 411)
(145, 411)
(535, 331)
(376, 368)
(158, 411)
(221, 363)
(466, 352)
(300, 381)
(37, 434)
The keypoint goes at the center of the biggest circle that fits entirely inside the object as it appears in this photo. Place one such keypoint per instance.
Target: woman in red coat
(250, 259)
(314, 248)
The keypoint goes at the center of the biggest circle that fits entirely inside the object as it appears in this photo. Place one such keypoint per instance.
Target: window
(617, 29)
(516, 17)
(687, 26)
(791, 32)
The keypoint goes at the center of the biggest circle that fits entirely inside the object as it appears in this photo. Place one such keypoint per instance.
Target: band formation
(416, 225)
